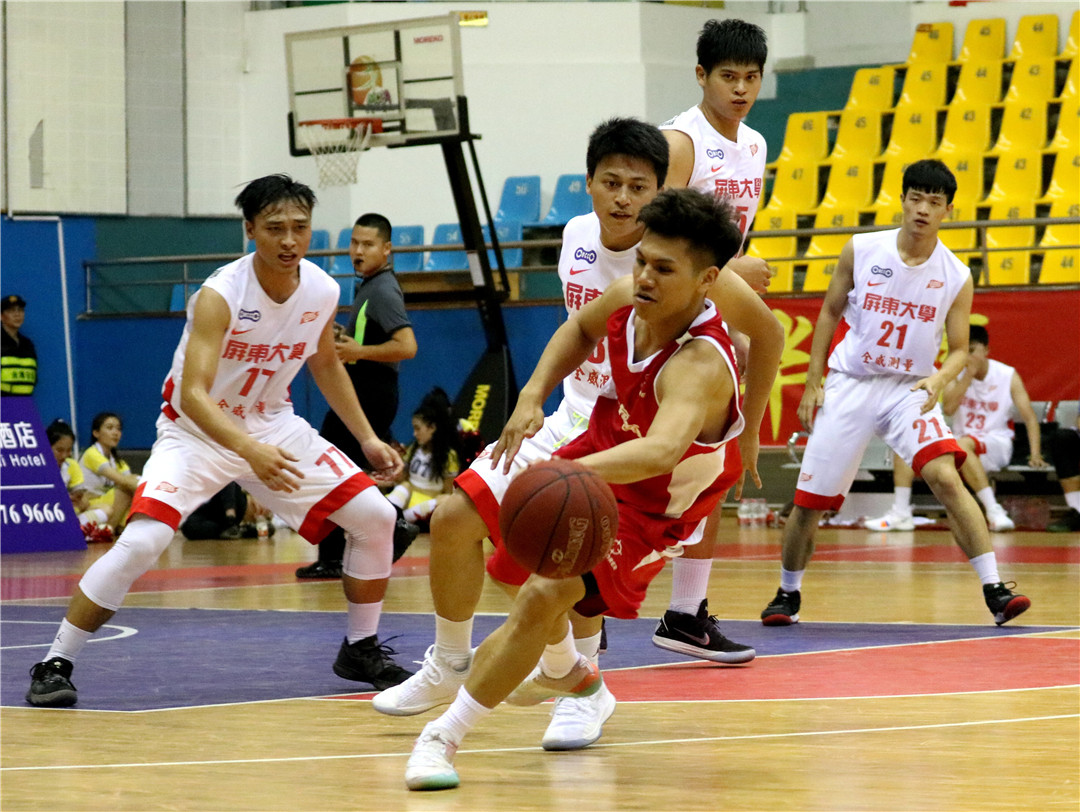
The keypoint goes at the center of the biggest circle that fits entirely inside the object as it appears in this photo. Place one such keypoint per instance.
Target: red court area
(962, 666)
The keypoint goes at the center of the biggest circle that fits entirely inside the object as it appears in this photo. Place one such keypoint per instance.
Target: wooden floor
(927, 730)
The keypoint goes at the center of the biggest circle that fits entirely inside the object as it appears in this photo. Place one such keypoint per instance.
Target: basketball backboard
(406, 72)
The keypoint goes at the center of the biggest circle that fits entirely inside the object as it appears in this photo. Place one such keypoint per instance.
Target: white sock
(559, 659)
(689, 583)
(69, 641)
(791, 580)
(464, 712)
(453, 641)
(363, 620)
(986, 568)
(590, 647)
(93, 515)
(986, 496)
(902, 501)
(399, 497)
(1073, 500)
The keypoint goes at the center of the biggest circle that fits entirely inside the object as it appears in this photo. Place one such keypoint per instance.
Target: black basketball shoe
(50, 684)
(1003, 603)
(367, 661)
(699, 636)
(784, 609)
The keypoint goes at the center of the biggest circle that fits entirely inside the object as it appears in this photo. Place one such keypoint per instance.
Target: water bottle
(262, 529)
(761, 510)
(745, 512)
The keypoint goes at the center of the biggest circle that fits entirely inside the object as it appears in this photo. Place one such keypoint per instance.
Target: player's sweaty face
(282, 234)
(730, 90)
(620, 186)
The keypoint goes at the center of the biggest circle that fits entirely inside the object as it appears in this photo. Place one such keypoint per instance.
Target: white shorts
(994, 450)
(856, 409)
(185, 470)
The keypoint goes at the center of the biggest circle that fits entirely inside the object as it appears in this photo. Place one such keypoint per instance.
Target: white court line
(607, 746)
(123, 631)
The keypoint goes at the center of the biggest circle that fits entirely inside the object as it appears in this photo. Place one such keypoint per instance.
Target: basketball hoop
(336, 144)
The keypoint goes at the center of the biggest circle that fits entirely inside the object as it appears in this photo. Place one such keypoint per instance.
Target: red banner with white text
(1036, 331)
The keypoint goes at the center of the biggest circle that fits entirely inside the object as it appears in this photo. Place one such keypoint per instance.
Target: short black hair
(706, 222)
(733, 41)
(270, 191)
(377, 222)
(979, 334)
(930, 176)
(629, 137)
(57, 429)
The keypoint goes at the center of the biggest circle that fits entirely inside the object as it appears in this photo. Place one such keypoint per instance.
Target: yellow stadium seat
(1010, 267)
(892, 180)
(819, 271)
(872, 88)
(967, 168)
(1064, 178)
(1036, 35)
(979, 81)
(769, 248)
(795, 187)
(1067, 132)
(967, 129)
(983, 39)
(806, 138)
(1023, 127)
(1017, 178)
(851, 184)
(933, 42)
(1071, 80)
(914, 133)
(1032, 80)
(961, 241)
(1072, 44)
(1061, 265)
(858, 135)
(891, 216)
(924, 86)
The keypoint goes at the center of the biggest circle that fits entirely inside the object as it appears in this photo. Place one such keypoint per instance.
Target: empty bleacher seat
(1072, 42)
(768, 248)
(320, 241)
(983, 39)
(858, 135)
(795, 188)
(961, 241)
(1023, 127)
(1032, 79)
(850, 184)
(819, 271)
(447, 234)
(1067, 131)
(872, 89)
(348, 290)
(520, 199)
(508, 231)
(178, 299)
(407, 236)
(979, 82)
(1017, 177)
(1010, 267)
(1064, 177)
(1036, 35)
(924, 86)
(806, 137)
(570, 200)
(1061, 265)
(892, 179)
(1072, 81)
(914, 133)
(932, 42)
(342, 265)
(967, 129)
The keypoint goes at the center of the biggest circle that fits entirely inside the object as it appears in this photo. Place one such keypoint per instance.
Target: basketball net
(336, 145)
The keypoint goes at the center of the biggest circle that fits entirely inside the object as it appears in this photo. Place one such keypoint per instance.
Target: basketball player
(714, 151)
(667, 416)
(626, 162)
(981, 402)
(227, 416)
(892, 295)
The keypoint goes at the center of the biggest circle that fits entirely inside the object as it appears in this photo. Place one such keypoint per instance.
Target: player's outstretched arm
(955, 389)
(569, 347)
(957, 324)
(209, 323)
(334, 382)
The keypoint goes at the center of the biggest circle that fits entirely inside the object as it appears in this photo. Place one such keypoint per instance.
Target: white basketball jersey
(731, 169)
(895, 313)
(264, 348)
(586, 268)
(987, 405)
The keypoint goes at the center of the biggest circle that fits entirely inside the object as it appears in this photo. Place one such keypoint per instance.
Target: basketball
(558, 519)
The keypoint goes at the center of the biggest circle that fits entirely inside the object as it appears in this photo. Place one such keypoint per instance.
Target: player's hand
(812, 399)
(932, 387)
(347, 348)
(740, 342)
(385, 461)
(1037, 461)
(748, 448)
(273, 466)
(755, 271)
(524, 422)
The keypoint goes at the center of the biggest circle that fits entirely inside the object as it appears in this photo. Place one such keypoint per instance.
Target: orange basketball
(558, 518)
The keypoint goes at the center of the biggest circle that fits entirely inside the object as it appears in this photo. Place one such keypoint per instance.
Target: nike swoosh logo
(874, 284)
(716, 168)
(576, 271)
(241, 332)
(701, 641)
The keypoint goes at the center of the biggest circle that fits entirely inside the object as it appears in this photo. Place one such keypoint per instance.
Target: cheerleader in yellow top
(431, 460)
(62, 439)
(109, 481)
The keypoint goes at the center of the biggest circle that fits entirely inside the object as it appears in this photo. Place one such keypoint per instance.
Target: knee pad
(109, 579)
(368, 521)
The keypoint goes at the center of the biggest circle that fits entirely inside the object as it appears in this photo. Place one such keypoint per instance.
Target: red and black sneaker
(1003, 603)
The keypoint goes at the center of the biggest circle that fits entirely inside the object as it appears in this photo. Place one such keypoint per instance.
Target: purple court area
(188, 657)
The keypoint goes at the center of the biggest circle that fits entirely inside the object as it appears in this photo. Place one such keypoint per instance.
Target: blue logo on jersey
(249, 315)
(715, 153)
(886, 272)
(588, 256)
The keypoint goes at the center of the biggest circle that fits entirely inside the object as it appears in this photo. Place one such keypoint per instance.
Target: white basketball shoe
(577, 722)
(893, 521)
(436, 683)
